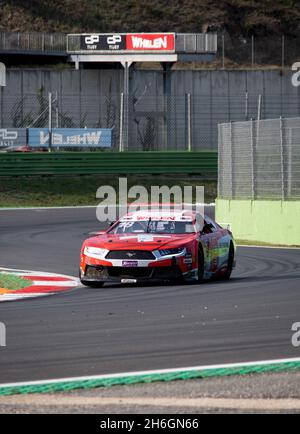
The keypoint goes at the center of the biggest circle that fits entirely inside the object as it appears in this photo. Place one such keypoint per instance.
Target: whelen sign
(129, 42)
(150, 42)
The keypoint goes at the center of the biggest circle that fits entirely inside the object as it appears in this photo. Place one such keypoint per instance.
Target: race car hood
(139, 241)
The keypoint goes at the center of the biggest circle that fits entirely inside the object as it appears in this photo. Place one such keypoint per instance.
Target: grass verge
(13, 282)
(81, 190)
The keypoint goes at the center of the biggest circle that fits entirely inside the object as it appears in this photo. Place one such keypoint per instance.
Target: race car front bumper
(113, 274)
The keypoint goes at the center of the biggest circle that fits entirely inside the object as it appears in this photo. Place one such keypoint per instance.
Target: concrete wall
(275, 222)
(92, 98)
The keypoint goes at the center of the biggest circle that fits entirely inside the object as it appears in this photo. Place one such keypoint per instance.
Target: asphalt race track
(121, 329)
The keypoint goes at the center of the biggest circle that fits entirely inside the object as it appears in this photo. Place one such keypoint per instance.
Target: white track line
(154, 372)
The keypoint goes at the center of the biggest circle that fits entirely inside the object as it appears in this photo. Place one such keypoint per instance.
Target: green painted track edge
(67, 385)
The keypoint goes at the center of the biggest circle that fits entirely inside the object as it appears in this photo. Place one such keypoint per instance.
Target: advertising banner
(130, 42)
(96, 42)
(12, 137)
(71, 137)
(150, 42)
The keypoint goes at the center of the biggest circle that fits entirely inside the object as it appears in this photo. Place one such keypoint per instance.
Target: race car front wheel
(230, 262)
(200, 264)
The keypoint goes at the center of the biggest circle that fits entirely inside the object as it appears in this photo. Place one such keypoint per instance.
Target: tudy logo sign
(98, 42)
(12, 137)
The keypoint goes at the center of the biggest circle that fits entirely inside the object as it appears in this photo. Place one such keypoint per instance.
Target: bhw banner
(70, 137)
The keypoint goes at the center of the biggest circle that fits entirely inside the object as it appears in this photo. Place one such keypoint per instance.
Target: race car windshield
(153, 227)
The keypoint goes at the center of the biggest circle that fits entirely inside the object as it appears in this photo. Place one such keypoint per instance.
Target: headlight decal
(95, 252)
(170, 252)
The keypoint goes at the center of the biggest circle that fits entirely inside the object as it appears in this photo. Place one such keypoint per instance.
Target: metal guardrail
(87, 163)
(255, 50)
(57, 42)
(184, 43)
(73, 43)
(43, 42)
(194, 43)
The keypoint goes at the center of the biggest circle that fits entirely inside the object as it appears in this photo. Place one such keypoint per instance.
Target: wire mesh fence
(260, 159)
(232, 50)
(254, 51)
(146, 123)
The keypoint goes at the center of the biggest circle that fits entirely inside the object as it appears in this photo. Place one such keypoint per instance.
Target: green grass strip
(81, 190)
(63, 386)
(13, 282)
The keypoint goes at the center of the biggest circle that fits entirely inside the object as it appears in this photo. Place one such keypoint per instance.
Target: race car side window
(211, 224)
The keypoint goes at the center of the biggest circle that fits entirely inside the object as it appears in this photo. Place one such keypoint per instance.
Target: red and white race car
(158, 246)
